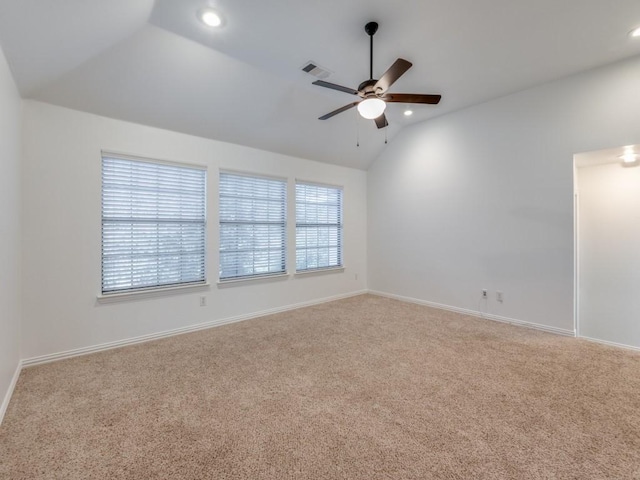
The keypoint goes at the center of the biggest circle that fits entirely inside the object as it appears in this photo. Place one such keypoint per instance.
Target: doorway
(607, 230)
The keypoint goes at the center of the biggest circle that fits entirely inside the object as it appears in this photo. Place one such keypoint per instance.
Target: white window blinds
(153, 224)
(252, 226)
(318, 226)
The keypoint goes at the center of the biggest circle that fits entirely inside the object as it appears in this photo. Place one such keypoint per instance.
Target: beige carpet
(363, 388)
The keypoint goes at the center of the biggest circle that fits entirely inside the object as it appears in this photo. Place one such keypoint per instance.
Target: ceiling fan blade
(394, 72)
(411, 98)
(340, 110)
(381, 121)
(333, 86)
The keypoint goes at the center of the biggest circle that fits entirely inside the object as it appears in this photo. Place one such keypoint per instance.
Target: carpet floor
(361, 388)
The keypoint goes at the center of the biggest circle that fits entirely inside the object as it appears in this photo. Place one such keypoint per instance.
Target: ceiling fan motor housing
(366, 88)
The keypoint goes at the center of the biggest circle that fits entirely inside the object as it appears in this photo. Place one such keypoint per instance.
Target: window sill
(151, 293)
(319, 271)
(234, 282)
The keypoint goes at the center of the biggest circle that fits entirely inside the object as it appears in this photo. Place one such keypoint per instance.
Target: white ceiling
(155, 63)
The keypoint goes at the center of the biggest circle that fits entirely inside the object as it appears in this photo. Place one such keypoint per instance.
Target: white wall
(10, 251)
(483, 197)
(61, 197)
(609, 233)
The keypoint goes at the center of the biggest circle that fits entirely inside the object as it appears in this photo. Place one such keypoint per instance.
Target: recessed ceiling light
(408, 113)
(210, 18)
(629, 157)
(635, 33)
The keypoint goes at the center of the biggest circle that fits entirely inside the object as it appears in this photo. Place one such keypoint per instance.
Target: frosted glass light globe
(371, 108)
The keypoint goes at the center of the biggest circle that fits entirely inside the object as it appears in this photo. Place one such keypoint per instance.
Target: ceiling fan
(374, 92)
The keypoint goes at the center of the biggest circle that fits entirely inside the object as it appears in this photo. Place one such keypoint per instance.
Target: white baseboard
(611, 344)
(474, 313)
(29, 362)
(12, 386)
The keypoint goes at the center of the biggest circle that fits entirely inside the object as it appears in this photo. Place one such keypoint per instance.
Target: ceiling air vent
(316, 70)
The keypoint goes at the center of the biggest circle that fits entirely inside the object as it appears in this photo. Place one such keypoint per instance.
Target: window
(252, 226)
(318, 227)
(153, 224)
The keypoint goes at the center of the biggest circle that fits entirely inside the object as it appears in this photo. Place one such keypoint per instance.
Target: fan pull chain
(385, 134)
(357, 130)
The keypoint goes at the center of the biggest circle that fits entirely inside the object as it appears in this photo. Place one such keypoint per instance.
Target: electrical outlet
(203, 301)
(484, 293)
(500, 297)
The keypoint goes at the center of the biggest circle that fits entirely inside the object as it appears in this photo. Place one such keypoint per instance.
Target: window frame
(160, 289)
(230, 280)
(340, 226)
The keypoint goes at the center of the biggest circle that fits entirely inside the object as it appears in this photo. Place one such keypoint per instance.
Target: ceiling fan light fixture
(635, 33)
(371, 108)
(209, 17)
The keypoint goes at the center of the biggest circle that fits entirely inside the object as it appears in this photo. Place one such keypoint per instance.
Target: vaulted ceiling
(155, 63)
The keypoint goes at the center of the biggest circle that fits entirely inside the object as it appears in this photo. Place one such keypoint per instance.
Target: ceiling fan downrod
(371, 28)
